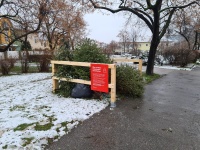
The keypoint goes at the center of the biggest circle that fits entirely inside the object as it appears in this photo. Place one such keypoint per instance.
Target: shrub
(6, 65)
(43, 63)
(179, 54)
(42, 60)
(88, 51)
(129, 81)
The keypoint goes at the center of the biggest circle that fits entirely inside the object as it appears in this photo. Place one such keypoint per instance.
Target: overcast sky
(105, 28)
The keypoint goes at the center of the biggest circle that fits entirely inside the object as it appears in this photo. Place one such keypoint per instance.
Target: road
(167, 117)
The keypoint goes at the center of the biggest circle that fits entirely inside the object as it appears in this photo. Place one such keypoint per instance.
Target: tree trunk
(155, 41)
(151, 57)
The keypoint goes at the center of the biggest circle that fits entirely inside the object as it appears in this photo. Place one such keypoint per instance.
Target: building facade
(129, 47)
(5, 34)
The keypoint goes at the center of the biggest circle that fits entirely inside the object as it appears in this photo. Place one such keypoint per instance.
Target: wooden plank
(130, 60)
(74, 63)
(78, 81)
(125, 60)
(71, 63)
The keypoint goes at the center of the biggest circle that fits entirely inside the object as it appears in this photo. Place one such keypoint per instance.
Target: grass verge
(149, 78)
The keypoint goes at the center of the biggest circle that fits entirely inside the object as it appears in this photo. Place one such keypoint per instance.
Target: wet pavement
(167, 117)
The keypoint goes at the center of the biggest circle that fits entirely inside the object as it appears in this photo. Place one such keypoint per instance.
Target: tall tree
(24, 15)
(156, 14)
(63, 22)
(186, 23)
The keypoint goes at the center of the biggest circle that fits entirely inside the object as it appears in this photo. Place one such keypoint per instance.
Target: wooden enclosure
(111, 85)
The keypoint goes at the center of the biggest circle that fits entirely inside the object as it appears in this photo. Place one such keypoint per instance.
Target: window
(146, 44)
(35, 40)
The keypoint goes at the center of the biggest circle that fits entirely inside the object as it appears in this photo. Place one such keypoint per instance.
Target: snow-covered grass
(31, 115)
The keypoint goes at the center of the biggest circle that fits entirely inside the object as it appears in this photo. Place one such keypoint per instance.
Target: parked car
(133, 57)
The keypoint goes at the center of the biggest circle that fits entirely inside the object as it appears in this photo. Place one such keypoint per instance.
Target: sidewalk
(166, 118)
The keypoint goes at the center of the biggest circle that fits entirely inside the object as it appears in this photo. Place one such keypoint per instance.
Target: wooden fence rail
(130, 60)
(111, 85)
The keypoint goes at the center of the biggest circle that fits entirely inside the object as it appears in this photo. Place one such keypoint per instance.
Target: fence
(18, 54)
(111, 85)
(130, 60)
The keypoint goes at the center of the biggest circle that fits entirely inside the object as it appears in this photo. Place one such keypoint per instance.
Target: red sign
(99, 77)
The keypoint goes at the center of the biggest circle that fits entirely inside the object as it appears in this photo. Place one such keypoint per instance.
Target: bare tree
(63, 22)
(156, 14)
(110, 48)
(24, 15)
(186, 23)
(124, 40)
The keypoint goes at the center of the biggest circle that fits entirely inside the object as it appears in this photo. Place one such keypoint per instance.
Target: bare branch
(180, 7)
(122, 8)
(164, 29)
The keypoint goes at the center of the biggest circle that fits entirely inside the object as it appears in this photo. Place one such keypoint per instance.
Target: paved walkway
(166, 118)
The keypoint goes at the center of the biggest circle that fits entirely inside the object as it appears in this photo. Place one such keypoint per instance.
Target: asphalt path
(167, 117)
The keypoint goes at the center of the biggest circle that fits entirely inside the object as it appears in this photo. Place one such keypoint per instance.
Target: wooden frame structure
(111, 85)
(130, 60)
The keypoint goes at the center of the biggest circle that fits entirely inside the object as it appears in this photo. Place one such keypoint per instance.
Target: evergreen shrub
(88, 51)
(129, 81)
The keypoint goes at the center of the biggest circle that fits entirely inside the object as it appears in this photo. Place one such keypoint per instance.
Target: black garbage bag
(81, 91)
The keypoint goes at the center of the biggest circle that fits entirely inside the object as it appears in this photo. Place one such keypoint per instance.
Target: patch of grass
(149, 78)
(51, 118)
(66, 129)
(5, 147)
(58, 129)
(22, 126)
(56, 137)
(64, 124)
(27, 141)
(50, 140)
(17, 107)
(17, 69)
(45, 127)
(43, 107)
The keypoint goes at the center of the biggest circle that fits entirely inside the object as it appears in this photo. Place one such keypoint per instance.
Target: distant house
(37, 42)
(6, 34)
(143, 46)
(128, 47)
(7, 31)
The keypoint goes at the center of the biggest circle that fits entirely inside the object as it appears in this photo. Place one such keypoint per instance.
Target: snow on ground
(31, 115)
(176, 68)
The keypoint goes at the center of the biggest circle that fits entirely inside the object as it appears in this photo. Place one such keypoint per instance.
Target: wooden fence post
(113, 89)
(55, 82)
(140, 66)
